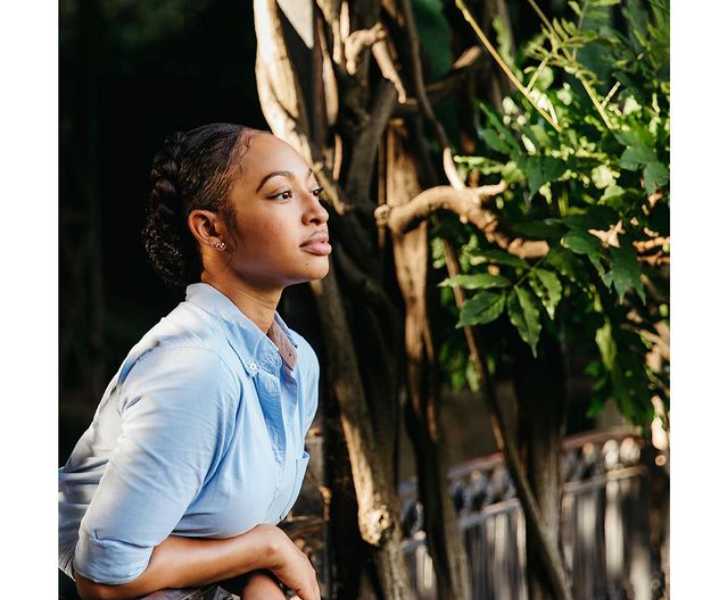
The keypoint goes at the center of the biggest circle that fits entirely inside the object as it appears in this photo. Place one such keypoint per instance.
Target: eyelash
(317, 192)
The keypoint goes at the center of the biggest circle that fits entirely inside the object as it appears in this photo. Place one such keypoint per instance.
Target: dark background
(130, 74)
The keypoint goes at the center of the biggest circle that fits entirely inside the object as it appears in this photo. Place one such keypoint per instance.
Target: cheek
(259, 235)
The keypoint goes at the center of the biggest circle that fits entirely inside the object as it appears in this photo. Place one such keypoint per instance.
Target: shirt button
(253, 366)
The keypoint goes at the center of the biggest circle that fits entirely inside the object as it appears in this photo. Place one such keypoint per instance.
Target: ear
(207, 227)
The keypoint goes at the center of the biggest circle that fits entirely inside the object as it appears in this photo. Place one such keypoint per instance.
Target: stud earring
(220, 245)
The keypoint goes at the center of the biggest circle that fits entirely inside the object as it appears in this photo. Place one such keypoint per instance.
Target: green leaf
(433, 26)
(623, 356)
(504, 40)
(495, 120)
(626, 270)
(547, 287)
(635, 14)
(606, 345)
(482, 308)
(595, 217)
(607, 277)
(595, 260)
(602, 177)
(611, 193)
(523, 312)
(581, 242)
(550, 229)
(564, 262)
(494, 141)
(575, 7)
(500, 257)
(476, 281)
(637, 135)
(538, 135)
(472, 376)
(656, 175)
(540, 170)
(635, 156)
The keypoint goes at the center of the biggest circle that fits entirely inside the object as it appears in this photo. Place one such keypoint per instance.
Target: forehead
(268, 153)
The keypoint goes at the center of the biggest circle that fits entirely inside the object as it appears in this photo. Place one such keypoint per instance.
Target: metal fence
(604, 528)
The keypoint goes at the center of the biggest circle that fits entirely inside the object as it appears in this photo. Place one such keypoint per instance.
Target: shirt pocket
(301, 466)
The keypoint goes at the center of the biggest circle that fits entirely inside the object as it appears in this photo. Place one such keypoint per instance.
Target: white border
(29, 361)
(699, 497)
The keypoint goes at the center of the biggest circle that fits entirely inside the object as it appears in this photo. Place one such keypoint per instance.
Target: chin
(320, 270)
(311, 272)
(319, 273)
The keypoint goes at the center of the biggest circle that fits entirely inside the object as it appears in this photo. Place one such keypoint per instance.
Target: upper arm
(174, 406)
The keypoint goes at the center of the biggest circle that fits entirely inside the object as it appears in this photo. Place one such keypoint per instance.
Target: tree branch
(655, 260)
(466, 203)
(367, 287)
(378, 517)
(383, 56)
(357, 42)
(364, 151)
(645, 246)
(278, 66)
(436, 91)
(422, 99)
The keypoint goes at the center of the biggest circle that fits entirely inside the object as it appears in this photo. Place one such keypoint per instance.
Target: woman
(196, 450)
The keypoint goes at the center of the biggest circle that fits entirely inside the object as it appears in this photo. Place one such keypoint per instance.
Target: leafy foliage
(593, 182)
(433, 27)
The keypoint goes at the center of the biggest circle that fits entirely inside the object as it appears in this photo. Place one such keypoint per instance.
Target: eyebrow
(284, 173)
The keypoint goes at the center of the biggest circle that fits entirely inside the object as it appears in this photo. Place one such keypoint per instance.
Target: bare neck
(257, 304)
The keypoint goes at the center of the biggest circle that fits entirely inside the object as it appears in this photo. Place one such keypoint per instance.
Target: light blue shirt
(200, 433)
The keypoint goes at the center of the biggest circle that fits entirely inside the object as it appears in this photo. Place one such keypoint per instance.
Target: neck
(259, 305)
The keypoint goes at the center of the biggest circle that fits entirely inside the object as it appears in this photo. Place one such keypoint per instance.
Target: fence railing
(605, 537)
(604, 528)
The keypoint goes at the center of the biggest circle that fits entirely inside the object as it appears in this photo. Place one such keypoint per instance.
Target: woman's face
(281, 235)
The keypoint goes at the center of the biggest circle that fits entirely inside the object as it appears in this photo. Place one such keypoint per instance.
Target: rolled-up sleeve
(175, 409)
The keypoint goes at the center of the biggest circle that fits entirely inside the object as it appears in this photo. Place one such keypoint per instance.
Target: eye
(318, 191)
(283, 195)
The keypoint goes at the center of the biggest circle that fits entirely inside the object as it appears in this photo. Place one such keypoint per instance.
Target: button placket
(270, 400)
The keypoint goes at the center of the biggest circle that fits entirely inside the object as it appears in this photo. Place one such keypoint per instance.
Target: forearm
(187, 562)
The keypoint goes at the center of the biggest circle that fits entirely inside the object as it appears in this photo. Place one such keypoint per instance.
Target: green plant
(584, 149)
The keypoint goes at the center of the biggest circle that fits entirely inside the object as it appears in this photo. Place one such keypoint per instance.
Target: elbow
(91, 592)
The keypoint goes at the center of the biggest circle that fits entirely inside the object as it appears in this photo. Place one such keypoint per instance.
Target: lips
(317, 244)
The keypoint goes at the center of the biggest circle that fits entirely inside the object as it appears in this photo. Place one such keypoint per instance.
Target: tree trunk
(540, 385)
(378, 514)
(411, 256)
(346, 550)
(311, 78)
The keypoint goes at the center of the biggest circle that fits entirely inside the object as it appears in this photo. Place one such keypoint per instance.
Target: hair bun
(191, 171)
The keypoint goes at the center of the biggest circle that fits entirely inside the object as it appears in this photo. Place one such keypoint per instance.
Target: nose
(314, 212)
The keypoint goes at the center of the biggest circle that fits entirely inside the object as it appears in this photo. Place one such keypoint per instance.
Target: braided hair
(193, 170)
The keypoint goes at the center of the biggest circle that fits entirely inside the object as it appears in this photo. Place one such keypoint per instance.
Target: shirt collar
(255, 348)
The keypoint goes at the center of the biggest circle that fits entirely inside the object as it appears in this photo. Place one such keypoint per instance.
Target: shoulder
(177, 374)
(188, 341)
(184, 359)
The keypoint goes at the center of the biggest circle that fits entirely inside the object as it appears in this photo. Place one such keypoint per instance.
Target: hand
(292, 567)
